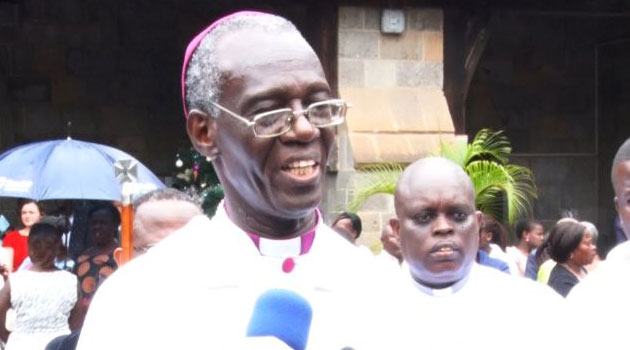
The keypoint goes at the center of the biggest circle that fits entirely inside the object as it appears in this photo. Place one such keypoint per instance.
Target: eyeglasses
(279, 121)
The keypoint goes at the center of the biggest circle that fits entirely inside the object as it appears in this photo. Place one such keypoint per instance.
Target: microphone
(282, 314)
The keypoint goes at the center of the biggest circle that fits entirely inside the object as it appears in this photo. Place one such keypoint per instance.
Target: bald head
(437, 223)
(160, 213)
(432, 172)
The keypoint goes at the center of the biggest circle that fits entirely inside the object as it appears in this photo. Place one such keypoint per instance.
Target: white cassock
(619, 253)
(600, 304)
(487, 310)
(197, 289)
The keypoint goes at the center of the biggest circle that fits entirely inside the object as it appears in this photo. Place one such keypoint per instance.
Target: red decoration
(288, 265)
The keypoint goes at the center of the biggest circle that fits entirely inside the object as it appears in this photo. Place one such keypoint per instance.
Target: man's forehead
(622, 174)
(444, 196)
(429, 182)
(428, 189)
(250, 48)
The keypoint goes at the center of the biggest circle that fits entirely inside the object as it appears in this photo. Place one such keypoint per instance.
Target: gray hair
(592, 229)
(203, 76)
(164, 194)
(622, 155)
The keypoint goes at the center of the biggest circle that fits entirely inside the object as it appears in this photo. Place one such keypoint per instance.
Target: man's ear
(616, 204)
(479, 217)
(118, 255)
(395, 224)
(202, 131)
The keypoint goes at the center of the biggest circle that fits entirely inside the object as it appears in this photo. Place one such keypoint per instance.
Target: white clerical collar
(280, 248)
(439, 292)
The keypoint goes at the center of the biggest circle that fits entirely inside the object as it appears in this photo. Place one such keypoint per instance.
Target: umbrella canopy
(67, 169)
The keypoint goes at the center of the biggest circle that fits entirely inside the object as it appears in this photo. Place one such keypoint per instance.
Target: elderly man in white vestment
(258, 104)
(604, 295)
(450, 300)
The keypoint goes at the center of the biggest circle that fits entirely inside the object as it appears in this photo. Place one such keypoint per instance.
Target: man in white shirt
(450, 301)
(258, 104)
(621, 184)
(604, 295)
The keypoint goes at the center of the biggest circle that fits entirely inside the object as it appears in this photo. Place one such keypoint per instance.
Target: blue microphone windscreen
(283, 314)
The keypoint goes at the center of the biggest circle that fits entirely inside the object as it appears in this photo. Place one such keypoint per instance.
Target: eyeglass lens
(319, 114)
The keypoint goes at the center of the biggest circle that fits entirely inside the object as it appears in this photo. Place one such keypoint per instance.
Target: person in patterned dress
(44, 298)
(97, 262)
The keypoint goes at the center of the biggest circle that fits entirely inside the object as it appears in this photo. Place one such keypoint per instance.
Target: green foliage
(503, 190)
(380, 178)
(195, 176)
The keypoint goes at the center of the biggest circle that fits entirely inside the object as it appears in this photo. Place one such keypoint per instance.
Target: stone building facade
(394, 85)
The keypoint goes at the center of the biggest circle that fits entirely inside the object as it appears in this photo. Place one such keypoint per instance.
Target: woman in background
(30, 213)
(96, 263)
(571, 247)
(44, 298)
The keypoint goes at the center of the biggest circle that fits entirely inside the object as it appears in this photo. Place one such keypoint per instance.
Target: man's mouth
(301, 167)
(445, 251)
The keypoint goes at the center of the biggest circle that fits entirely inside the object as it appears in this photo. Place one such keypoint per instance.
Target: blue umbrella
(67, 169)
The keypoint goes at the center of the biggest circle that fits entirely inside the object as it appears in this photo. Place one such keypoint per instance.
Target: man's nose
(442, 225)
(301, 128)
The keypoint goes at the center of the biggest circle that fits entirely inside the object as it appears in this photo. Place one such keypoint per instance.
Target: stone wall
(370, 59)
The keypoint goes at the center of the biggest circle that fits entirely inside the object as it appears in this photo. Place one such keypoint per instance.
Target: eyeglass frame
(295, 114)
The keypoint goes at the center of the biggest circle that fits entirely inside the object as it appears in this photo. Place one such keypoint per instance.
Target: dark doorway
(613, 74)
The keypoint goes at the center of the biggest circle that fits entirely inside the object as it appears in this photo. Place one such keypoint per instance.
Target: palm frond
(490, 145)
(495, 183)
(381, 178)
(456, 152)
(502, 190)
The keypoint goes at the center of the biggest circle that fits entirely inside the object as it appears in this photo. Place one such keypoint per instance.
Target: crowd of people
(46, 293)
(257, 103)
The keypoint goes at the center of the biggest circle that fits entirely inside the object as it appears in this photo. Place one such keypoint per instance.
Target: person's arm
(5, 304)
(77, 314)
(4, 271)
(531, 267)
(6, 239)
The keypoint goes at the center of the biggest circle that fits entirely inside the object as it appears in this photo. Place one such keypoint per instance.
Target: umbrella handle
(127, 233)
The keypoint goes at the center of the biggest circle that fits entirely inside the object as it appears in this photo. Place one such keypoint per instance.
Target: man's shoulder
(611, 278)
(167, 257)
(329, 242)
(486, 260)
(620, 253)
(506, 284)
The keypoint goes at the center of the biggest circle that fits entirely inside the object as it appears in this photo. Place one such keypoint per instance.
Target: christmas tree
(195, 175)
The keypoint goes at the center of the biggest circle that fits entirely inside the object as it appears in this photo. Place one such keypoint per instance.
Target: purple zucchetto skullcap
(194, 43)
